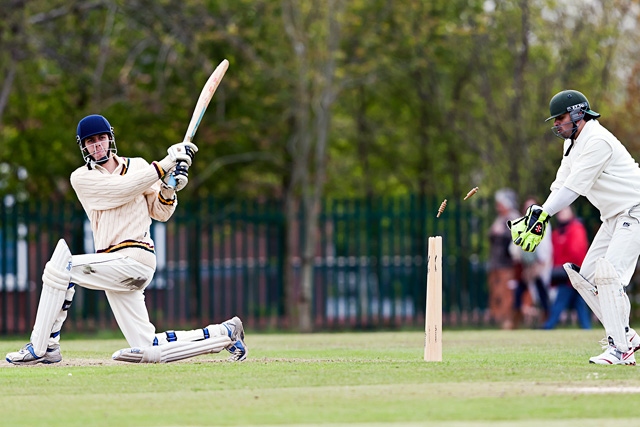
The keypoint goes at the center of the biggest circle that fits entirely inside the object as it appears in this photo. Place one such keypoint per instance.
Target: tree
(314, 31)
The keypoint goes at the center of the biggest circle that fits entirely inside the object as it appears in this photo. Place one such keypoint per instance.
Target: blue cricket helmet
(95, 124)
(92, 125)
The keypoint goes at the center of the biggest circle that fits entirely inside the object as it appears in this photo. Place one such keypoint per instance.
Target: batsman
(597, 166)
(121, 195)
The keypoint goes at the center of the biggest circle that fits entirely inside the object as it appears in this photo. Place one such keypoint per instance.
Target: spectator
(501, 271)
(533, 274)
(569, 245)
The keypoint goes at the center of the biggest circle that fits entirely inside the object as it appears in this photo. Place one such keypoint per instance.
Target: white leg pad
(55, 283)
(614, 304)
(172, 351)
(587, 291)
(192, 335)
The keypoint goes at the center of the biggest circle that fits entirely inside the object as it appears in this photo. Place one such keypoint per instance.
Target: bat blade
(201, 106)
(205, 97)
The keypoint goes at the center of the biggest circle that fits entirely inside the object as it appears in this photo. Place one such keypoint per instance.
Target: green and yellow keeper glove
(529, 230)
(517, 227)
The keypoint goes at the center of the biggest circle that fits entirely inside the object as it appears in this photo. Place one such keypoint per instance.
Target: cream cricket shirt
(120, 206)
(600, 168)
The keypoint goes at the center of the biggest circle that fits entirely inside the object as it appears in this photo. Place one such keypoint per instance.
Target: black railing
(217, 259)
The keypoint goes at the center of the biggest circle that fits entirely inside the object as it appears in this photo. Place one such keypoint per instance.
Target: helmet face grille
(88, 158)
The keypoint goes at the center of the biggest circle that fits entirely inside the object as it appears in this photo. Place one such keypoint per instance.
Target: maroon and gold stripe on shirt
(164, 201)
(125, 166)
(159, 170)
(128, 244)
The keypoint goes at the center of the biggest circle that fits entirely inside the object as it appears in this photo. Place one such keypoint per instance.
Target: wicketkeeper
(121, 196)
(597, 166)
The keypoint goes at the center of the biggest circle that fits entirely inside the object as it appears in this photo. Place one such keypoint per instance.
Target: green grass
(497, 378)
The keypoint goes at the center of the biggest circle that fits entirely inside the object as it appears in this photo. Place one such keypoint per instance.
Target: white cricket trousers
(123, 280)
(618, 241)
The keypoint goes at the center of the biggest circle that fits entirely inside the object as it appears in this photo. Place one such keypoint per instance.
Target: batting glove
(182, 152)
(178, 178)
(536, 220)
(181, 175)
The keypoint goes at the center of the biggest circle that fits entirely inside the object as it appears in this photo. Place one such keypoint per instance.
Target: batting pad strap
(613, 303)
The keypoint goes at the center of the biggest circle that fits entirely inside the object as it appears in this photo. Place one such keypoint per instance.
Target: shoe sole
(609, 363)
(33, 362)
(606, 362)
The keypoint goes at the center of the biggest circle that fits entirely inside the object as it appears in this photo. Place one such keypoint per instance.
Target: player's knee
(606, 273)
(55, 278)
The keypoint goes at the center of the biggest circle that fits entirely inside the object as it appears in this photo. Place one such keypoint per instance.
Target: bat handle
(172, 182)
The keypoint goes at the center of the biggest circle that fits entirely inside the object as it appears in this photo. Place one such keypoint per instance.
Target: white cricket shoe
(634, 339)
(612, 356)
(238, 348)
(27, 356)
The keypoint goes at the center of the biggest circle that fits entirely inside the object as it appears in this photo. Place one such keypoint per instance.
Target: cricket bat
(203, 102)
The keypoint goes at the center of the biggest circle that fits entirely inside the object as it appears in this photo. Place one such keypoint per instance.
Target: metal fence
(219, 258)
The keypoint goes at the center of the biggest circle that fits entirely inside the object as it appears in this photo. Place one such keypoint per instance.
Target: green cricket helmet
(570, 101)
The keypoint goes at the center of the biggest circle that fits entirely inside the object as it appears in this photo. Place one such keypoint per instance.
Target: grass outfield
(497, 378)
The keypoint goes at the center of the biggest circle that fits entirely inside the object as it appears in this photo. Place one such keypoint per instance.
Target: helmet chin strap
(573, 132)
(105, 159)
(573, 136)
(91, 162)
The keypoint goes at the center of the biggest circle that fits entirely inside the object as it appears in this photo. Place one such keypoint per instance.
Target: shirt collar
(119, 160)
(584, 133)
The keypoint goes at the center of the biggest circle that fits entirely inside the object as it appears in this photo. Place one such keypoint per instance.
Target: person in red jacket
(570, 244)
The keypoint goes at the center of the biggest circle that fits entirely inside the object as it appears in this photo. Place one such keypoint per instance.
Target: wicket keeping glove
(535, 224)
(517, 227)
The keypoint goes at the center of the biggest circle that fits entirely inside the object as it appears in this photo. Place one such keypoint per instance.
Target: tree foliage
(323, 98)
(430, 97)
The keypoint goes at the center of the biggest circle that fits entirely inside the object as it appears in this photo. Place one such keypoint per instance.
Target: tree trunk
(315, 94)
